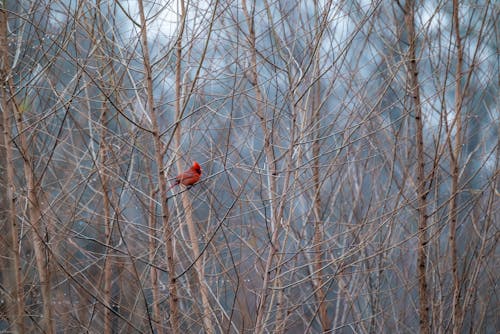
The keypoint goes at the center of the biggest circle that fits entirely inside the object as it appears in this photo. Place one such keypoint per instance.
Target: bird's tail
(173, 185)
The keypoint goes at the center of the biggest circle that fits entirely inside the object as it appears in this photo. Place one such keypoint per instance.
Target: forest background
(350, 155)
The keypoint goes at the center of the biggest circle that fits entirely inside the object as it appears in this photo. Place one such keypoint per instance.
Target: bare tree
(350, 156)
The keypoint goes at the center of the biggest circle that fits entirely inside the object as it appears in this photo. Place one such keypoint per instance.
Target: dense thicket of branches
(350, 154)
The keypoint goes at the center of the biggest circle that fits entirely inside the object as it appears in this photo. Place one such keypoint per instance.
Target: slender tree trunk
(454, 166)
(421, 184)
(107, 224)
(186, 201)
(271, 172)
(153, 271)
(159, 151)
(102, 165)
(35, 216)
(318, 224)
(37, 229)
(12, 264)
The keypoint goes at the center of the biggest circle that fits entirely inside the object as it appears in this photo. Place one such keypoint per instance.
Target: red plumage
(188, 177)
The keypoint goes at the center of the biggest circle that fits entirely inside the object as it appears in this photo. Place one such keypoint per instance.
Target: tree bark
(414, 90)
(159, 149)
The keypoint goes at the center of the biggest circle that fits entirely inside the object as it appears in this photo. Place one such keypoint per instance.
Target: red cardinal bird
(189, 177)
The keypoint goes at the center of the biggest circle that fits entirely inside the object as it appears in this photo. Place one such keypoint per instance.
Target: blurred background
(350, 155)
